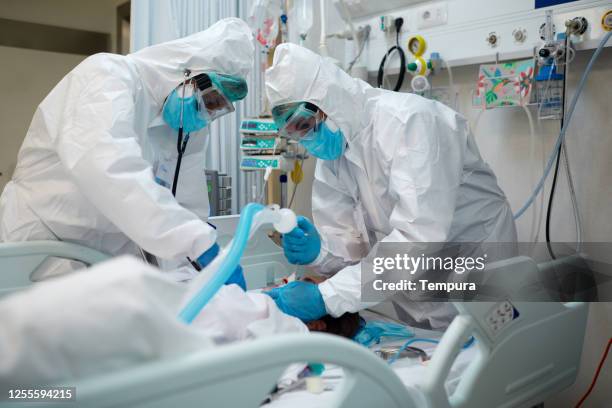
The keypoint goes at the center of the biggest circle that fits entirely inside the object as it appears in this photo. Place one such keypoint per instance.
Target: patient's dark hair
(345, 325)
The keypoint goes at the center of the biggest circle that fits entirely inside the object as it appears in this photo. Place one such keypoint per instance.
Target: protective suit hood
(298, 74)
(97, 127)
(226, 46)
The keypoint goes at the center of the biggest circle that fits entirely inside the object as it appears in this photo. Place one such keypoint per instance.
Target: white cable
(536, 238)
(361, 48)
(323, 39)
(451, 86)
(350, 21)
(532, 159)
(561, 137)
(570, 183)
(267, 173)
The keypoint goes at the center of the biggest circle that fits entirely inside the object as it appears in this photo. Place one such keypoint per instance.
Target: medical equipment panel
(474, 31)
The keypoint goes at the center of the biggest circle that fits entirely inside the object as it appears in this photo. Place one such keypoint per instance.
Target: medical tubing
(227, 267)
(267, 173)
(424, 340)
(553, 187)
(451, 85)
(564, 157)
(561, 136)
(365, 39)
(534, 224)
(402, 70)
(323, 39)
(570, 183)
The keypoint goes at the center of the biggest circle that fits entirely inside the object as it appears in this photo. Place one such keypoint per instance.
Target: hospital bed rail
(20, 260)
(242, 375)
(520, 365)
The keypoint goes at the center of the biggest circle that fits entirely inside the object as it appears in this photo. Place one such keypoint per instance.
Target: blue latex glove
(303, 244)
(300, 299)
(237, 278)
(207, 257)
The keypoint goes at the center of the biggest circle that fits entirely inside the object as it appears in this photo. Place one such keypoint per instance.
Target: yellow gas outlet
(606, 21)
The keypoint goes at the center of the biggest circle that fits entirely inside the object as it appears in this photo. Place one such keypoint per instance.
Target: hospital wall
(27, 75)
(504, 140)
(503, 137)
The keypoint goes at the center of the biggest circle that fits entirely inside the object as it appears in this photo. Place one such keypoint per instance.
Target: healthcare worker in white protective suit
(98, 164)
(120, 313)
(393, 167)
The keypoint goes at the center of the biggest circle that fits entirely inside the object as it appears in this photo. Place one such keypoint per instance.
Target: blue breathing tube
(227, 267)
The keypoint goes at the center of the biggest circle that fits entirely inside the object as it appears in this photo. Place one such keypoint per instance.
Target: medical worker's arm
(333, 215)
(99, 148)
(425, 175)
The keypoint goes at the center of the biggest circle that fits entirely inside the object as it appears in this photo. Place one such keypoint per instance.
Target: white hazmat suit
(86, 170)
(118, 314)
(411, 173)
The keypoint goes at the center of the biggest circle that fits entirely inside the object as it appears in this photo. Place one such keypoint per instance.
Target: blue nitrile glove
(211, 253)
(237, 278)
(300, 299)
(303, 244)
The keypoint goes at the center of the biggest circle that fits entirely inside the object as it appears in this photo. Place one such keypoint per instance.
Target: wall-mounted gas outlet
(432, 15)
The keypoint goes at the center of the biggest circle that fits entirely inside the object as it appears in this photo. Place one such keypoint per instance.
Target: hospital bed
(518, 364)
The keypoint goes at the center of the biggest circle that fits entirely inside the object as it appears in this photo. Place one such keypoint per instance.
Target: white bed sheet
(410, 370)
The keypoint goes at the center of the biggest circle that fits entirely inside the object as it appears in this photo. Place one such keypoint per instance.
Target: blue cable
(424, 340)
(227, 267)
(561, 137)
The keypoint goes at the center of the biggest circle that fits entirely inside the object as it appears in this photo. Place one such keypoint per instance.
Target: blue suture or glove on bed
(207, 257)
(300, 299)
(237, 278)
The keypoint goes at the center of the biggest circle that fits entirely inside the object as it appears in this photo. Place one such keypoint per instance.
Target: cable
(532, 169)
(402, 71)
(267, 173)
(366, 37)
(570, 183)
(565, 158)
(553, 187)
(599, 366)
(561, 136)
(395, 356)
(451, 85)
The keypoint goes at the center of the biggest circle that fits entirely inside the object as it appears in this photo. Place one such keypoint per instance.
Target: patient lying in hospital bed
(123, 313)
(117, 314)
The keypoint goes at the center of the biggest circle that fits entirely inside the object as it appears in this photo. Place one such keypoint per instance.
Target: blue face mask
(324, 143)
(194, 119)
(374, 331)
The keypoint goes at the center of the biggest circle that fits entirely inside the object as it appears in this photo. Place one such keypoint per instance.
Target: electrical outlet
(432, 15)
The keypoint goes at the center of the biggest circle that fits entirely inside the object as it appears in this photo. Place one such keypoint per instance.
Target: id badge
(164, 172)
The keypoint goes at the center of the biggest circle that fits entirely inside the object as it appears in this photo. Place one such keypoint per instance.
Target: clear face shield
(195, 103)
(297, 121)
(215, 102)
(307, 124)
